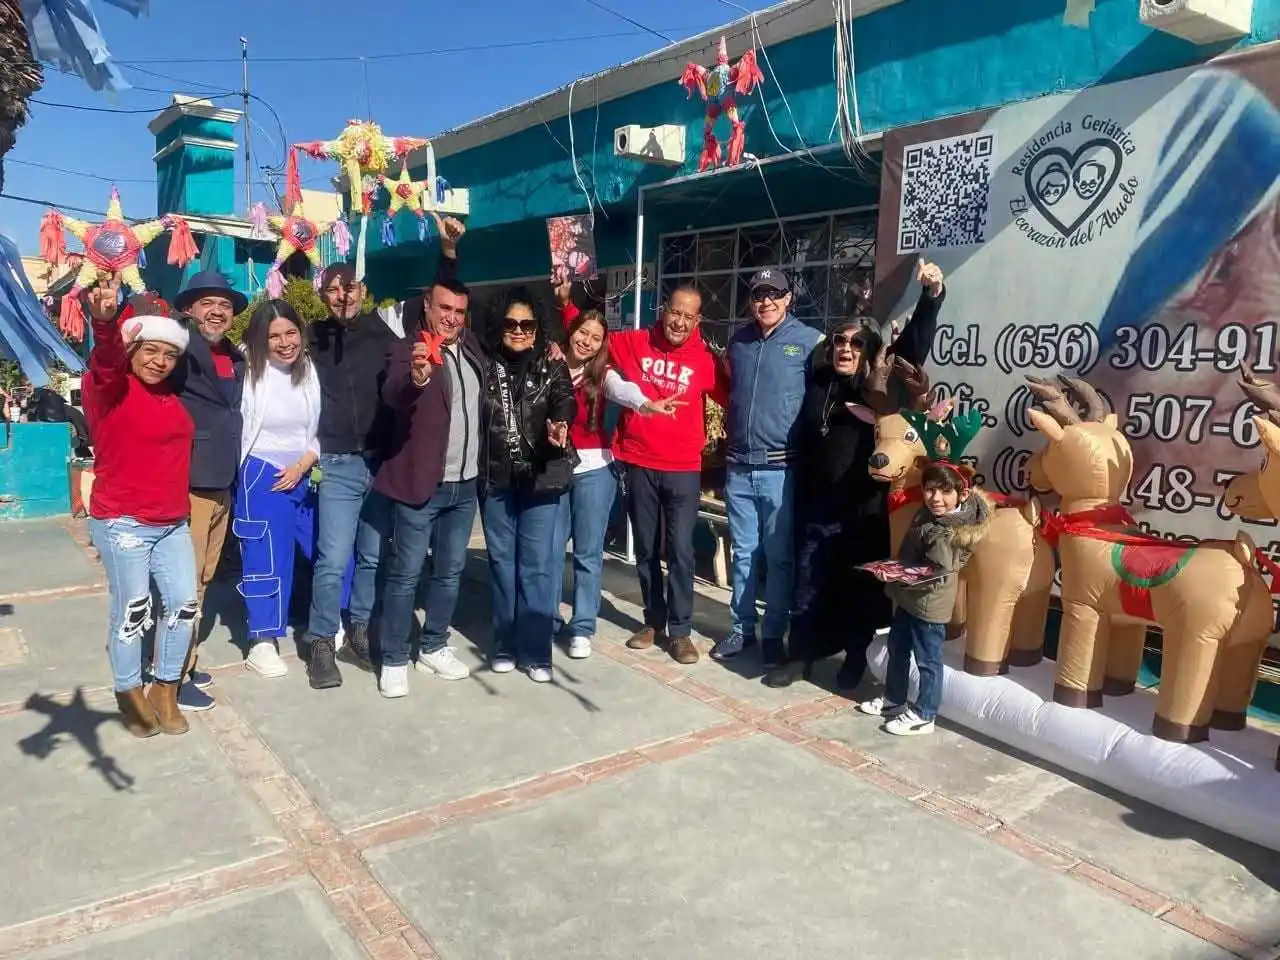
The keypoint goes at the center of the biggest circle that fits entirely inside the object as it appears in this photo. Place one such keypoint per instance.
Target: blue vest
(768, 380)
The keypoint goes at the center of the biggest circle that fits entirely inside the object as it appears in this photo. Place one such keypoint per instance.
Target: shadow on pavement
(75, 721)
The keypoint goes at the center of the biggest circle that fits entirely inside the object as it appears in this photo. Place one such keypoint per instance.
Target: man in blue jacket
(769, 365)
(209, 380)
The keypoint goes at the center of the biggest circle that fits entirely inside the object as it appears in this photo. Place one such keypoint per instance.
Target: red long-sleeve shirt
(141, 437)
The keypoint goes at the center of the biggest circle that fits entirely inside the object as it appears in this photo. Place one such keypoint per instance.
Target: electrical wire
(635, 23)
(432, 52)
(63, 206)
(86, 109)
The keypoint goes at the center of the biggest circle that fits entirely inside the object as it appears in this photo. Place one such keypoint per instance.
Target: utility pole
(248, 159)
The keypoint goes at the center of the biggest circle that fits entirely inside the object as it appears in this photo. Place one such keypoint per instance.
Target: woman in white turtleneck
(274, 507)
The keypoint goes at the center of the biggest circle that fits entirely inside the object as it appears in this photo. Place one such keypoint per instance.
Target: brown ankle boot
(136, 713)
(163, 698)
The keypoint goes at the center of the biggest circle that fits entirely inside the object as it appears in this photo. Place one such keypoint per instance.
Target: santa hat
(147, 317)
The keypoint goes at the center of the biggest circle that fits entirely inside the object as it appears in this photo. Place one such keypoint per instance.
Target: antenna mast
(251, 276)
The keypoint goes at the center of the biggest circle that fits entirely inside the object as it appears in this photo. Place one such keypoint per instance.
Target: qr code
(945, 188)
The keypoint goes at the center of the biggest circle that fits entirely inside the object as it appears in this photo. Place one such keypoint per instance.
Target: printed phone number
(1175, 489)
(1078, 347)
(1188, 419)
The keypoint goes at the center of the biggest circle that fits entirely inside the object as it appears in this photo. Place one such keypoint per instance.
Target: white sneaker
(580, 648)
(908, 724)
(444, 663)
(394, 681)
(540, 674)
(502, 664)
(880, 707)
(264, 660)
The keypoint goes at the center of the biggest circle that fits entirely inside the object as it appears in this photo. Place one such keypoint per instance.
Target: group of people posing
(365, 448)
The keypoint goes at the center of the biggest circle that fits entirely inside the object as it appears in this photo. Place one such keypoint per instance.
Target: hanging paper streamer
(342, 237)
(113, 246)
(720, 87)
(26, 334)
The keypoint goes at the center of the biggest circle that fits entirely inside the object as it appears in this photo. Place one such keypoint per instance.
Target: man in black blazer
(209, 379)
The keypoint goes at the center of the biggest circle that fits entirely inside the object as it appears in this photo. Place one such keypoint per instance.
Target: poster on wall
(573, 249)
(1128, 234)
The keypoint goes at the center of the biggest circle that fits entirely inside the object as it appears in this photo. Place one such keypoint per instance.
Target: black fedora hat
(208, 282)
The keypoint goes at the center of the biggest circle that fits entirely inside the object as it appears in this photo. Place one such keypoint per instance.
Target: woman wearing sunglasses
(843, 517)
(526, 464)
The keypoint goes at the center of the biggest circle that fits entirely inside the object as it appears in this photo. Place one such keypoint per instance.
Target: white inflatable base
(1229, 783)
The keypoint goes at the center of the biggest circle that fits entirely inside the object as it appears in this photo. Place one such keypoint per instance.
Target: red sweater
(690, 371)
(141, 436)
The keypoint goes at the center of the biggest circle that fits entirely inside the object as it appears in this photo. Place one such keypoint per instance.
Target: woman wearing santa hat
(138, 511)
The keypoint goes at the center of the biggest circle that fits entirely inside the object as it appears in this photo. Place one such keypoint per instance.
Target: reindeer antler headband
(946, 438)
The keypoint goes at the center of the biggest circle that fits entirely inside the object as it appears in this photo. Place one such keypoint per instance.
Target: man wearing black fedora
(209, 381)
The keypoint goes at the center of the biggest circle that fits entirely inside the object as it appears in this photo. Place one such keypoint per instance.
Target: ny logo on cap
(766, 275)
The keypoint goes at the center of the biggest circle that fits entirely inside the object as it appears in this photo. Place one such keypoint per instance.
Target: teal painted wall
(915, 61)
(34, 477)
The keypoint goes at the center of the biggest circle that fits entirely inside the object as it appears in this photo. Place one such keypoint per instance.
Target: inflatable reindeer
(1003, 597)
(1211, 604)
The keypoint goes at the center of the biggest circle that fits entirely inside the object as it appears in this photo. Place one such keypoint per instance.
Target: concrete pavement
(633, 807)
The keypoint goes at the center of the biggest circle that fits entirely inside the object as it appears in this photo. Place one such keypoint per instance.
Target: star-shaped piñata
(113, 246)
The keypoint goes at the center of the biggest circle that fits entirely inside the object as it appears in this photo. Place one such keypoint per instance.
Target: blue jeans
(352, 519)
(760, 504)
(442, 524)
(526, 569)
(910, 636)
(584, 515)
(272, 526)
(132, 554)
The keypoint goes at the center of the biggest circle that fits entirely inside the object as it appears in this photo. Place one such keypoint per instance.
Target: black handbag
(556, 475)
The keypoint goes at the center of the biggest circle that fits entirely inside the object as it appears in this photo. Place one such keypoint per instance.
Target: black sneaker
(322, 664)
(355, 649)
(200, 679)
(191, 699)
(773, 651)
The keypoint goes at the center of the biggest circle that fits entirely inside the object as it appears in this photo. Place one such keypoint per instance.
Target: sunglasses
(847, 340)
(759, 296)
(528, 327)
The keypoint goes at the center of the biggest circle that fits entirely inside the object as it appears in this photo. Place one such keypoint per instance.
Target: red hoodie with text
(690, 371)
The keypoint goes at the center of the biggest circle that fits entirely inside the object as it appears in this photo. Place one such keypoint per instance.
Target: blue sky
(415, 95)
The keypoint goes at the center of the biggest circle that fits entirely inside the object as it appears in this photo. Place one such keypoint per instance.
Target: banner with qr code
(1128, 234)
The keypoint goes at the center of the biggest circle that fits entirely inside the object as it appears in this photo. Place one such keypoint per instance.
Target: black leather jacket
(540, 392)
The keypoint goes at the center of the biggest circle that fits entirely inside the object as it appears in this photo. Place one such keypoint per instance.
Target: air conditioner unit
(662, 145)
(1200, 21)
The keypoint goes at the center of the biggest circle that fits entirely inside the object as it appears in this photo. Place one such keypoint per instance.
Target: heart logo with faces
(1067, 187)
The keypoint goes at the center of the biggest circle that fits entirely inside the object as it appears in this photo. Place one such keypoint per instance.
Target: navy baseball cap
(772, 279)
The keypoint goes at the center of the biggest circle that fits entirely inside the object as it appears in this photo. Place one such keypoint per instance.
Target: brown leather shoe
(643, 639)
(163, 698)
(136, 713)
(683, 651)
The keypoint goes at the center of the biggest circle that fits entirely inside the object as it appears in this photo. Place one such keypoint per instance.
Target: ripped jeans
(133, 554)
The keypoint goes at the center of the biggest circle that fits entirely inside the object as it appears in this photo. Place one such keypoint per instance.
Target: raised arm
(109, 360)
(915, 341)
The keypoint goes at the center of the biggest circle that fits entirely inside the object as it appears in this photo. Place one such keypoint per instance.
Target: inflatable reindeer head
(1256, 495)
(1087, 458)
(903, 445)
